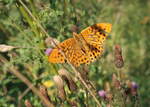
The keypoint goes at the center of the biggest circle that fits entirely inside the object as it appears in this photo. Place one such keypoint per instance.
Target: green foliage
(131, 23)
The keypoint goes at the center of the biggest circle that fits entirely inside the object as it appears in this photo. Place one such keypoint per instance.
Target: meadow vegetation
(27, 78)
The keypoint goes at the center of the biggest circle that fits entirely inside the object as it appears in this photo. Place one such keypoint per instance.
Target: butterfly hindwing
(72, 52)
(56, 55)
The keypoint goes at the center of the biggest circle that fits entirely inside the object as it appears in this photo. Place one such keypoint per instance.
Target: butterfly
(82, 48)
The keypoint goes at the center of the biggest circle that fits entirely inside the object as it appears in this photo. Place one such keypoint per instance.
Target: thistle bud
(134, 87)
(107, 86)
(85, 72)
(60, 86)
(108, 105)
(73, 103)
(67, 77)
(118, 57)
(114, 77)
(109, 97)
(74, 28)
(51, 42)
(128, 83)
(102, 94)
(116, 82)
(128, 88)
(28, 103)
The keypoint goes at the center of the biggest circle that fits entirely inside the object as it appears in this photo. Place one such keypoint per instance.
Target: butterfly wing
(56, 56)
(94, 36)
(72, 51)
(97, 33)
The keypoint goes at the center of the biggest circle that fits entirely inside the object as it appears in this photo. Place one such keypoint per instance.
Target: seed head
(69, 80)
(28, 103)
(118, 57)
(60, 86)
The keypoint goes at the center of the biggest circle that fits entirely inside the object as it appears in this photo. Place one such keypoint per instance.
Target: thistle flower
(102, 93)
(134, 85)
(118, 57)
(48, 51)
(132, 88)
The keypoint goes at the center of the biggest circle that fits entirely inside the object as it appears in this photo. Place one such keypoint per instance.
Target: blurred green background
(131, 29)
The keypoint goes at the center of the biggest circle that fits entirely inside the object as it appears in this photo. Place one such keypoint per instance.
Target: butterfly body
(84, 47)
(81, 42)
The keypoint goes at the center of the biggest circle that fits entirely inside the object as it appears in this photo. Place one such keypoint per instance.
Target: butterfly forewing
(97, 33)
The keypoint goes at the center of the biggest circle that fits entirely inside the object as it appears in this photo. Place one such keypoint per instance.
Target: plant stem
(14, 71)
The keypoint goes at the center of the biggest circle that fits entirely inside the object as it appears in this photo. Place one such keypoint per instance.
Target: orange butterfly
(83, 48)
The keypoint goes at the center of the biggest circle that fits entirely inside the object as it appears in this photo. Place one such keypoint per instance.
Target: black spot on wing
(96, 28)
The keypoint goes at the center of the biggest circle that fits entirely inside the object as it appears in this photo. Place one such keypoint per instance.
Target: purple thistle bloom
(48, 51)
(134, 85)
(102, 93)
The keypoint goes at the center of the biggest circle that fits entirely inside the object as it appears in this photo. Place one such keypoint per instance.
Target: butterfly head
(106, 27)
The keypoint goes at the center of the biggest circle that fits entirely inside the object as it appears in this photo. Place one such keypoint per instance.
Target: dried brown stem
(14, 71)
(30, 85)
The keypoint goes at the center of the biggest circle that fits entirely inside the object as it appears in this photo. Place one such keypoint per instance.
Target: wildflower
(48, 51)
(102, 93)
(118, 57)
(132, 88)
(134, 85)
